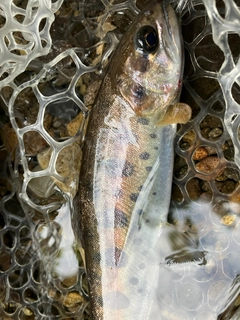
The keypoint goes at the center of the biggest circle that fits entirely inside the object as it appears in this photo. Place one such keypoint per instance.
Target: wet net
(53, 57)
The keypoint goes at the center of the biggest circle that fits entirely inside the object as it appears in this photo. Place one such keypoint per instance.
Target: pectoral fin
(177, 113)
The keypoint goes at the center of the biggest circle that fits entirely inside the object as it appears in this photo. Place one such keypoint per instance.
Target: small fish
(126, 176)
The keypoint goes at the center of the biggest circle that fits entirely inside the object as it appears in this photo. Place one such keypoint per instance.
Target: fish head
(149, 70)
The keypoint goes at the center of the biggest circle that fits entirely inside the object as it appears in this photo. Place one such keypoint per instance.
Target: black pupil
(151, 38)
(147, 39)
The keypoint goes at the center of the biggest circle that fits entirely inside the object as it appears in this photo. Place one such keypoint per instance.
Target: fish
(126, 174)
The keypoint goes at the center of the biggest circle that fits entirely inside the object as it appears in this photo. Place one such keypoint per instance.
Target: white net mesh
(24, 34)
(50, 71)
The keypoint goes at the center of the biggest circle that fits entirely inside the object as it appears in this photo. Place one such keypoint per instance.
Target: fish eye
(146, 39)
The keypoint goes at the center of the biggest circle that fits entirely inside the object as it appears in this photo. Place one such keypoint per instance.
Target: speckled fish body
(125, 182)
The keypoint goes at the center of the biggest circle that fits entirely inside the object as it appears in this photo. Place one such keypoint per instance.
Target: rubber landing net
(52, 58)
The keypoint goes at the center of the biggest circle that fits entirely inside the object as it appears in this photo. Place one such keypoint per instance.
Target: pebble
(188, 140)
(194, 189)
(200, 153)
(215, 133)
(74, 125)
(176, 193)
(228, 219)
(207, 165)
(228, 173)
(226, 187)
(9, 138)
(73, 299)
(67, 165)
(34, 143)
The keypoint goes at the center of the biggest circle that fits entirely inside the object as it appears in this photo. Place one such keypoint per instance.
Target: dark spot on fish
(148, 168)
(156, 148)
(153, 135)
(142, 266)
(144, 156)
(128, 169)
(138, 91)
(121, 219)
(134, 196)
(143, 121)
(140, 188)
(134, 281)
(115, 257)
(154, 193)
(140, 212)
(147, 220)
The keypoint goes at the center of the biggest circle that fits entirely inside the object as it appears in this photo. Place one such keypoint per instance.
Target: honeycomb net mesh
(53, 57)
